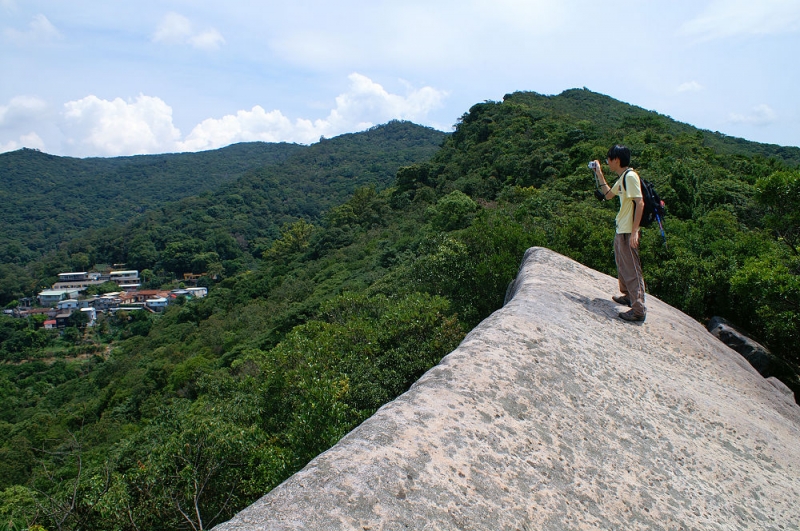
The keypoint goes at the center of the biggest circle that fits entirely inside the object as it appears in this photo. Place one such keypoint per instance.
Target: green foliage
(360, 289)
(17, 508)
(453, 211)
(295, 237)
(190, 467)
(331, 374)
(21, 338)
(48, 199)
(769, 287)
(780, 194)
(102, 289)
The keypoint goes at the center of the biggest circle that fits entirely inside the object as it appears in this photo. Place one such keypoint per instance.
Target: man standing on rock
(626, 242)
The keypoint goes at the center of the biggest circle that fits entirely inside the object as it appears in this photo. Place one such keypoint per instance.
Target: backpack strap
(625, 186)
(625, 179)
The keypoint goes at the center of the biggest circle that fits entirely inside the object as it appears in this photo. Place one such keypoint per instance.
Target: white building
(80, 279)
(127, 280)
(49, 297)
(68, 304)
(73, 277)
(92, 315)
(197, 293)
(158, 304)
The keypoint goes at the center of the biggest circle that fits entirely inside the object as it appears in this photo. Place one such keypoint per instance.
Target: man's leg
(619, 241)
(629, 272)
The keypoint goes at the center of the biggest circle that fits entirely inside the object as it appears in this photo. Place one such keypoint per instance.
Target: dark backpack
(653, 205)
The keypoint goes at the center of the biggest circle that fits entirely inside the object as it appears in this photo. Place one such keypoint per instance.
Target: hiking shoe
(630, 316)
(622, 299)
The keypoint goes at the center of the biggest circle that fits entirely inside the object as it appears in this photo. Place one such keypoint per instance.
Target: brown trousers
(629, 272)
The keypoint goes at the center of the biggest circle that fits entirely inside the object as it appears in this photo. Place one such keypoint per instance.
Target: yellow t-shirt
(631, 190)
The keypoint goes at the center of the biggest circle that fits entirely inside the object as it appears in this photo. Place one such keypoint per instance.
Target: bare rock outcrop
(754, 352)
(553, 414)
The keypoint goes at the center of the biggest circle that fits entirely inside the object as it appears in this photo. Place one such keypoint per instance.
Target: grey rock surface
(782, 387)
(554, 414)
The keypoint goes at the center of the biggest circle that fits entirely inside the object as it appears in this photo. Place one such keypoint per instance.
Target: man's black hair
(620, 152)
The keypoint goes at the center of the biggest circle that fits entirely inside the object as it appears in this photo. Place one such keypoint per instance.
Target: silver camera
(593, 165)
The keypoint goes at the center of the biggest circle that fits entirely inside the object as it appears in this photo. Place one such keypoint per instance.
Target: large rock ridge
(554, 414)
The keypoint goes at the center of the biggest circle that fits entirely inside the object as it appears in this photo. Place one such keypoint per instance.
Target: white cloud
(690, 86)
(31, 140)
(173, 29)
(177, 29)
(18, 120)
(39, 30)
(417, 35)
(97, 127)
(110, 128)
(21, 109)
(366, 103)
(252, 125)
(760, 115)
(208, 40)
(726, 18)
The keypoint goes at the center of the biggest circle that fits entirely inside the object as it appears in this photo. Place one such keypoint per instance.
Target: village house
(70, 284)
(66, 298)
(129, 307)
(197, 293)
(78, 280)
(49, 312)
(142, 295)
(126, 280)
(62, 319)
(92, 313)
(72, 304)
(158, 304)
(105, 302)
(50, 297)
(189, 293)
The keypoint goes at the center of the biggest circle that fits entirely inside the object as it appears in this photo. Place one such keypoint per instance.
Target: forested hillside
(46, 200)
(235, 201)
(337, 303)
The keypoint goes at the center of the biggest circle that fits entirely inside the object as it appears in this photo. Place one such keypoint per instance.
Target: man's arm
(637, 218)
(605, 188)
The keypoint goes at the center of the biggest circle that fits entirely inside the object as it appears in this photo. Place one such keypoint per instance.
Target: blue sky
(107, 78)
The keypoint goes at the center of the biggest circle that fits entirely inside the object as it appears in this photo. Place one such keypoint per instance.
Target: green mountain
(576, 105)
(46, 200)
(242, 219)
(337, 298)
(235, 201)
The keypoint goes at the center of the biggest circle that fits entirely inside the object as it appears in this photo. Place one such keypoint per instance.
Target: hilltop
(607, 113)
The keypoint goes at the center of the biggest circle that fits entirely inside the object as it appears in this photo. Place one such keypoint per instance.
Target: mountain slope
(243, 218)
(219, 230)
(46, 199)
